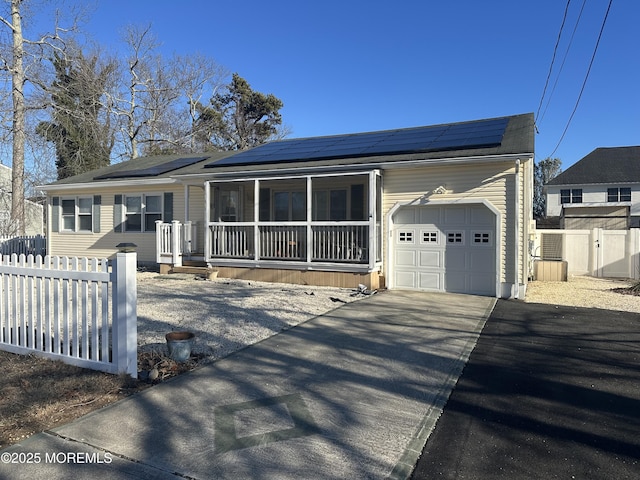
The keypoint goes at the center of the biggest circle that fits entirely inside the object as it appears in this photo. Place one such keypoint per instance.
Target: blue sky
(354, 66)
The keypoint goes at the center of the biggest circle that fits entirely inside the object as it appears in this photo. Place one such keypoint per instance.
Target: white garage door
(449, 248)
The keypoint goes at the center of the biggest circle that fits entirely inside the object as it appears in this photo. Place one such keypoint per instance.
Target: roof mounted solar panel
(468, 135)
(153, 170)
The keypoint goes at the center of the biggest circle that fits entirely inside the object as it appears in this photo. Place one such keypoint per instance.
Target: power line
(584, 83)
(564, 59)
(553, 58)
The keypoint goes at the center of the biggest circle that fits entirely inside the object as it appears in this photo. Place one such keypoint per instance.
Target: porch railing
(330, 242)
(175, 240)
(341, 243)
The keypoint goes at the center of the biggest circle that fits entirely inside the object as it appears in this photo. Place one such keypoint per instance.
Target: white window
(429, 237)
(141, 212)
(455, 238)
(405, 236)
(481, 238)
(76, 214)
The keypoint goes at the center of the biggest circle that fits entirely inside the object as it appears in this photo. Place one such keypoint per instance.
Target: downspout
(516, 286)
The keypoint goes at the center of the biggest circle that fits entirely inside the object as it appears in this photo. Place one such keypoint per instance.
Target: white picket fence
(25, 245)
(77, 310)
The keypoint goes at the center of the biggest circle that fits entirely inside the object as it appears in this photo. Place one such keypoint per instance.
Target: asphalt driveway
(548, 392)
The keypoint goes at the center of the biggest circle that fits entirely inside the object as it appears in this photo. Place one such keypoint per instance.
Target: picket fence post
(125, 328)
(176, 246)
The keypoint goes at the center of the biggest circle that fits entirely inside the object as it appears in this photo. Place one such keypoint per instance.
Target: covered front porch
(322, 222)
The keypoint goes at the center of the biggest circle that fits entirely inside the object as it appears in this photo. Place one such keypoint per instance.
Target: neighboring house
(602, 190)
(34, 212)
(443, 207)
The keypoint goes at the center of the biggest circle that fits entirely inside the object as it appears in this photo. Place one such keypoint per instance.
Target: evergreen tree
(82, 137)
(238, 118)
(544, 171)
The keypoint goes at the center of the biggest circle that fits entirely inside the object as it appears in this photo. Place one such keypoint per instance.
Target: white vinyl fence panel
(76, 310)
(597, 252)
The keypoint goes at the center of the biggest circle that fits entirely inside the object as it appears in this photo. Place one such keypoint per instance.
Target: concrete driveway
(350, 394)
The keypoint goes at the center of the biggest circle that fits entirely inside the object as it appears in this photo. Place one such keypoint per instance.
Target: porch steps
(202, 271)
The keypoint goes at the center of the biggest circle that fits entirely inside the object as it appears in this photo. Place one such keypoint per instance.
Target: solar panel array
(154, 170)
(457, 136)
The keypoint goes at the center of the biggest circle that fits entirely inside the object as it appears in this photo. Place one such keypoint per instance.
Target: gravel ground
(582, 291)
(225, 314)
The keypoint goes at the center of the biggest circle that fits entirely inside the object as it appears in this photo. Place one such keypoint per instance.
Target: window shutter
(55, 214)
(117, 213)
(97, 201)
(167, 213)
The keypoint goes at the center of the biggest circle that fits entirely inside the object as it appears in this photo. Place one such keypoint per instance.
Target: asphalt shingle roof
(603, 165)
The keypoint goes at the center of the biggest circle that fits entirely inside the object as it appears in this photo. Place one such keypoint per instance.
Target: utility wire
(584, 83)
(553, 58)
(564, 59)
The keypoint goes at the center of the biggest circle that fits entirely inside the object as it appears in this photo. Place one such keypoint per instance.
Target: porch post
(186, 203)
(373, 249)
(176, 247)
(207, 216)
(309, 218)
(256, 219)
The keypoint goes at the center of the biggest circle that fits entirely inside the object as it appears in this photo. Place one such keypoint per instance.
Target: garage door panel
(456, 259)
(432, 259)
(406, 258)
(482, 216)
(406, 216)
(455, 216)
(430, 281)
(455, 282)
(481, 261)
(482, 284)
(429, 216)
(406, 279)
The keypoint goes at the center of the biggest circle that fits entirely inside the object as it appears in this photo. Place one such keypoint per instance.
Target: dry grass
(40, 394)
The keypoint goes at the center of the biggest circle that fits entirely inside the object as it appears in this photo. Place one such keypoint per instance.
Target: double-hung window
(622, 194)
(141, 212)
(77, 214)
(573, 195)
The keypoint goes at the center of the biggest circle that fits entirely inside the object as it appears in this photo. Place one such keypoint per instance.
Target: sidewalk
(549, 392)
(351, 394)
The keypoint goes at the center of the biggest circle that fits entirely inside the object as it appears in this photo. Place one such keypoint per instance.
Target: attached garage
(448, 248)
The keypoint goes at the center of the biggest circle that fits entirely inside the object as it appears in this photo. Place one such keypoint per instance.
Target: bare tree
(12, 60)
(156, 105)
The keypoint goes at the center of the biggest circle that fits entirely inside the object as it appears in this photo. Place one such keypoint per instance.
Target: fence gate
(612, 258)
(597, 252)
